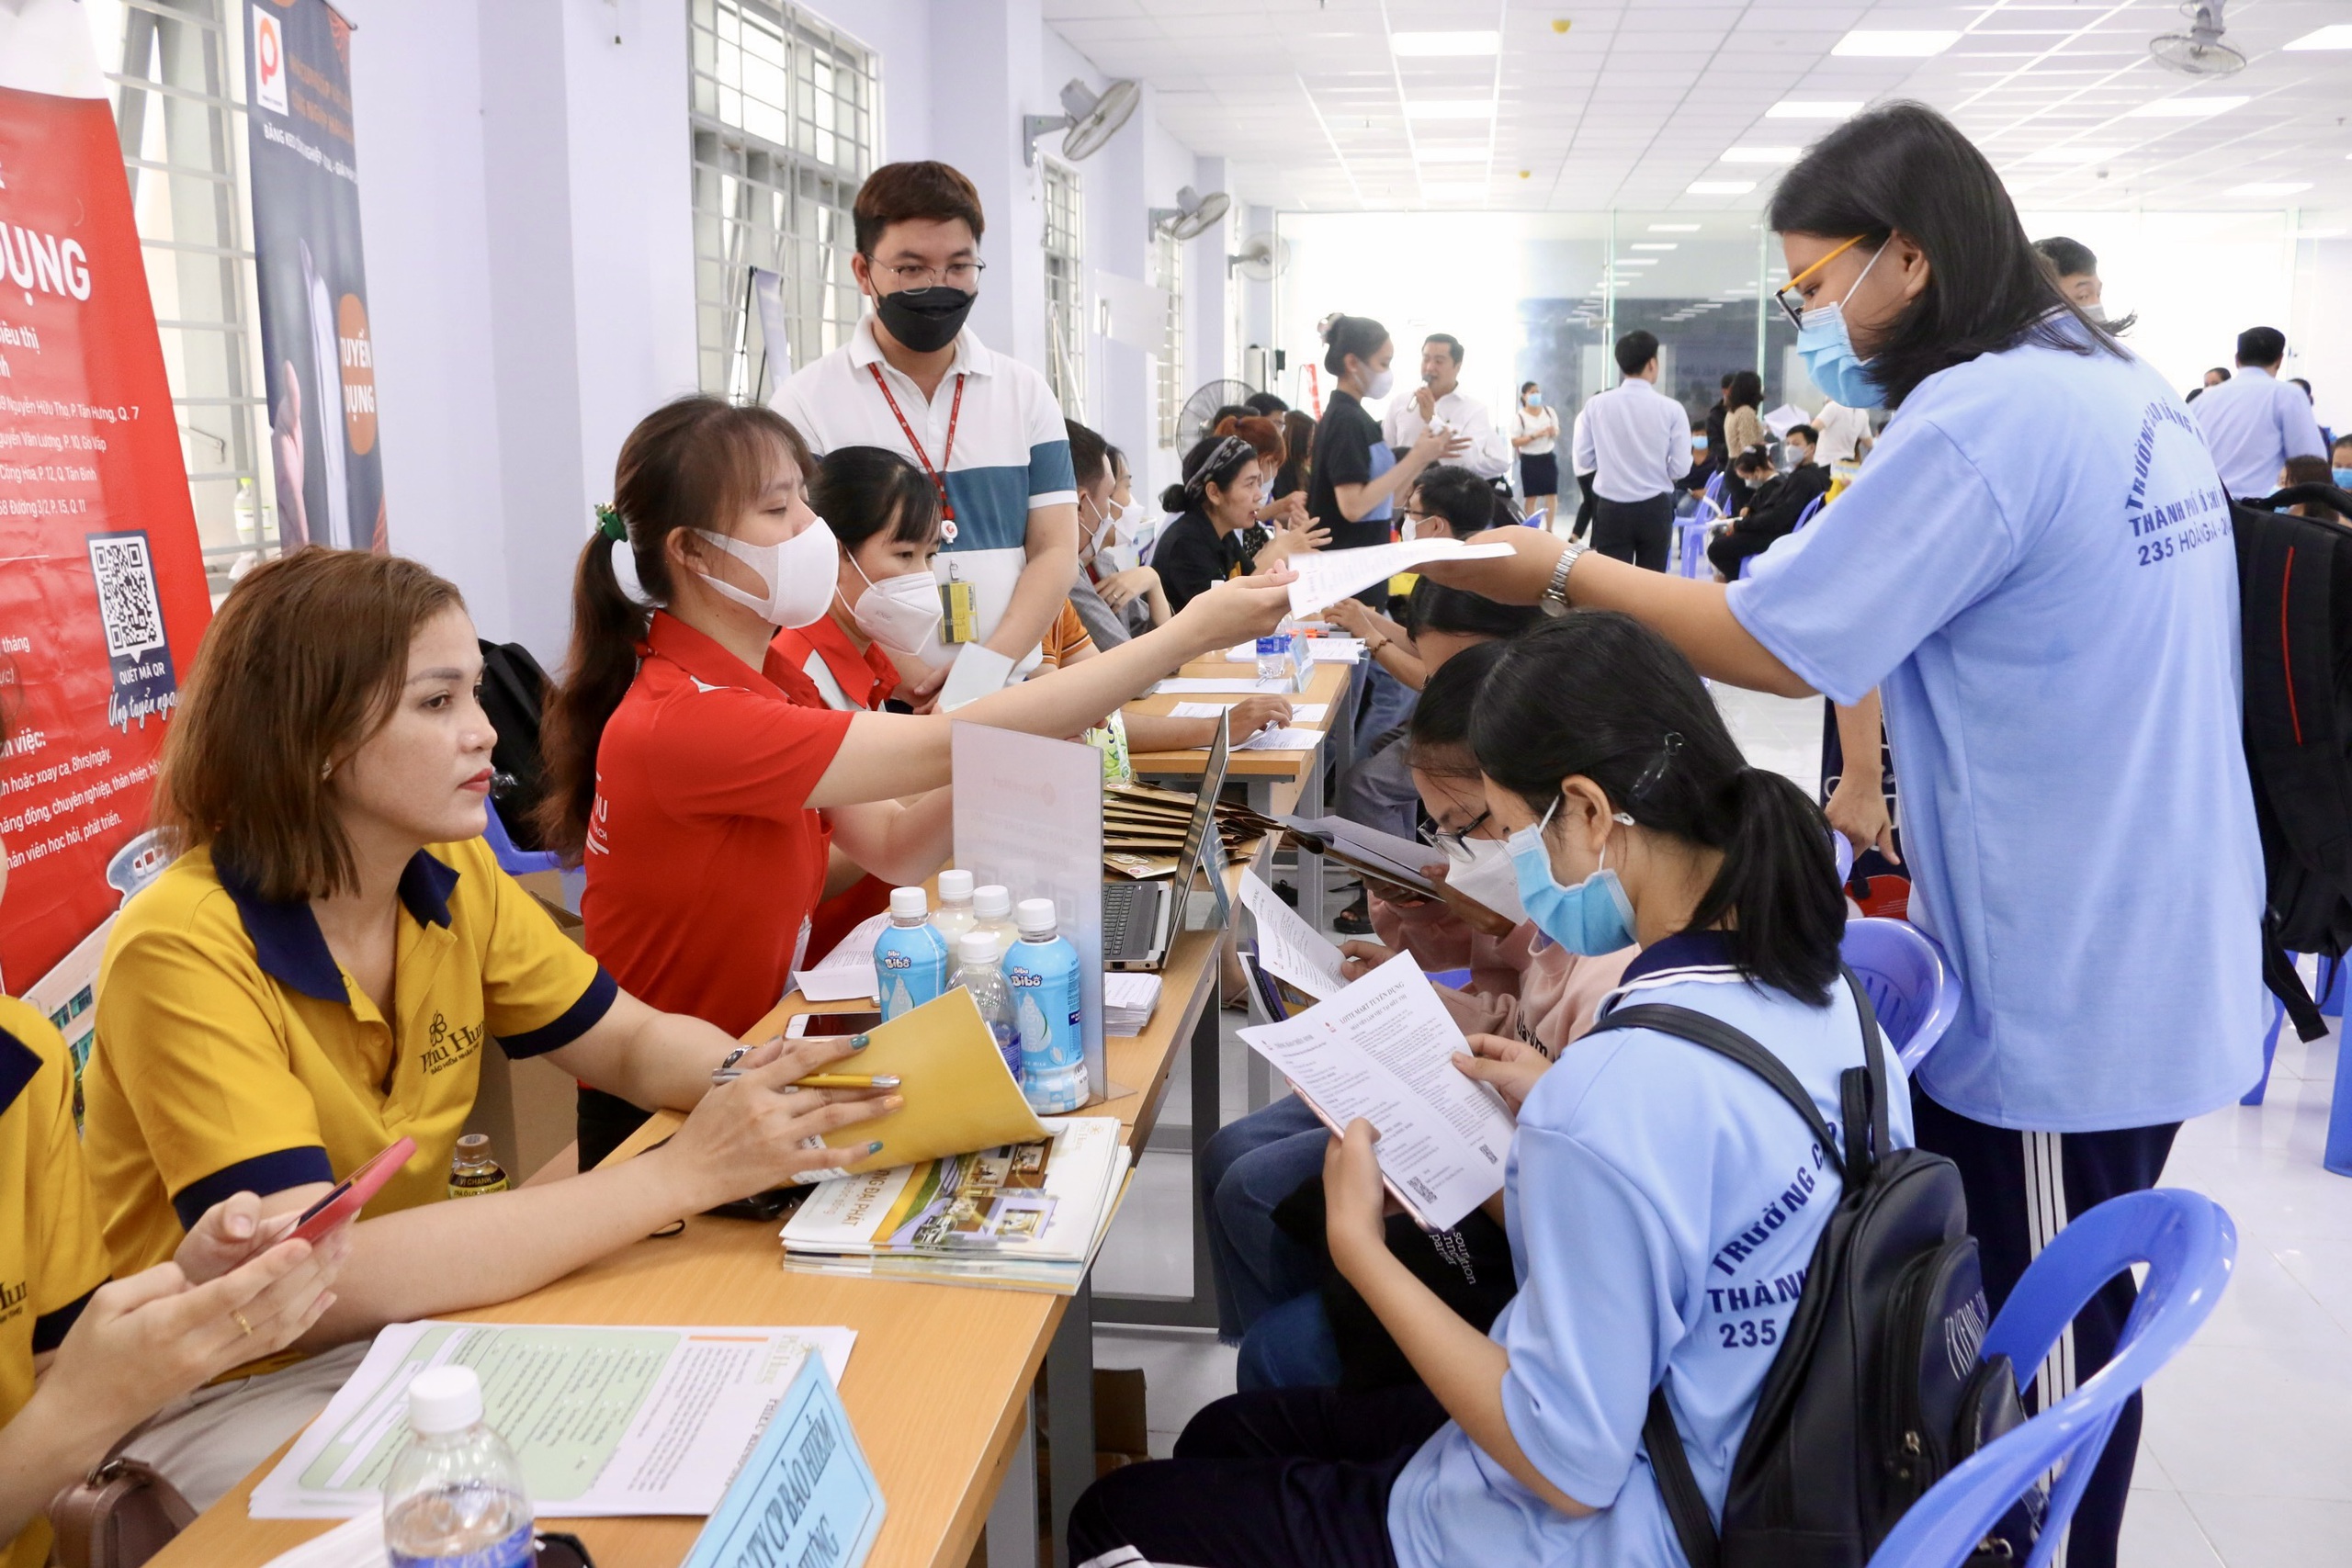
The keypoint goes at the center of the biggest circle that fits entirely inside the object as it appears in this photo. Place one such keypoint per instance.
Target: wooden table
(941, 1375)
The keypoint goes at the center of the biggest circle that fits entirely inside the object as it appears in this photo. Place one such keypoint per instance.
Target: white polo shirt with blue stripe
(1010, 456)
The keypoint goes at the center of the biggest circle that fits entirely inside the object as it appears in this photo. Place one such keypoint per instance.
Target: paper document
(1281, 739)
(1202, 686)
(357, 1542)
(1300, 713)
(1288, 948)
(1128, 1001)
(607, 1421)
(846, 973)
(1326, 576)
(1383, 1050)
(807, 1497)
(1337, 650)
(978, 672)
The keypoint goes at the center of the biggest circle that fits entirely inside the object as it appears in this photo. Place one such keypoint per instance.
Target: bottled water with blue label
(909, 956)
(1041, 972)
(455, 1496)
(1273, 659)
(978, 974)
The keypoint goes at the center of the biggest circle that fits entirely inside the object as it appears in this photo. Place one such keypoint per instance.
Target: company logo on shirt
(12, 1300)
(446, 1046)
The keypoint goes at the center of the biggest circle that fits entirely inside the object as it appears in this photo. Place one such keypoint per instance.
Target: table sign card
(805, 1498)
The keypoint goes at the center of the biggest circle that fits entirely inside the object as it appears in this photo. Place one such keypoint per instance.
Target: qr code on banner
(127, 600)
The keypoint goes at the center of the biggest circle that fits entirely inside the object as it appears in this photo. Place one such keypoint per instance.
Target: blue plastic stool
(1910, 983)
(2330, 987)
(511, 861)
(1690, 535)
(2269, 1049)
(2189, 1244)
(2337, 1156)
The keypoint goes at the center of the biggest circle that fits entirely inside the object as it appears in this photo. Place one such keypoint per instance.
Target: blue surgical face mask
(1592, 918)
(2343, 479)
(1828, 353)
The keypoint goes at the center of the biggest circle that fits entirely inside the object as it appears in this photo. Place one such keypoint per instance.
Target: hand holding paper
(1288, 948)
(1332, 575)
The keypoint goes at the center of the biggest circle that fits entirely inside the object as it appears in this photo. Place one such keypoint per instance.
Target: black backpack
(513, 691)
(2295, 623)
(1877, 1390)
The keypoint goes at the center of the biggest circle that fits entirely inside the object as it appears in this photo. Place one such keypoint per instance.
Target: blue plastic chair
(1457, 978)
(1911, 984)
(511, 861)
(2190, 1247)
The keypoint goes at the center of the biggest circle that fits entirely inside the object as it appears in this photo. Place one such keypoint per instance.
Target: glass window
(1065, 290)
(177, 71)
(785, 111)
(1167, 272)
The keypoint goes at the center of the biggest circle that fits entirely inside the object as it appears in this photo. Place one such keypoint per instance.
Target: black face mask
(925, 320)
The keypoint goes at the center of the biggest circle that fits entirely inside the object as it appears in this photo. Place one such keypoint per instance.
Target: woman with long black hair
(2035, 568)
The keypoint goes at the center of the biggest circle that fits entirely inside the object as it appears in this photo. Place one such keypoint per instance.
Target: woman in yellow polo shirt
(83, 1361)
(317, 975)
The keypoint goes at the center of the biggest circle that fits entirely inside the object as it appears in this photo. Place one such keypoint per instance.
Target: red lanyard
(955, 411)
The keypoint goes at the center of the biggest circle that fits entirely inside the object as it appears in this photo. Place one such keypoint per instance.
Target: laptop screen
(1203, 851)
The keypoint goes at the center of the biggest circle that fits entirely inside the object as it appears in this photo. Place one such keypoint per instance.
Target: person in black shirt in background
(1354, 479)
(1224, 481)
(1773, 511)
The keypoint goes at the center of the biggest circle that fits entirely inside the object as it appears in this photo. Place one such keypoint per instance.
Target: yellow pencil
(847, 1080)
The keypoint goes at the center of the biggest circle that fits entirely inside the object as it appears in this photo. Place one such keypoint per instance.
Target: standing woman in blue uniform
(2035, 568)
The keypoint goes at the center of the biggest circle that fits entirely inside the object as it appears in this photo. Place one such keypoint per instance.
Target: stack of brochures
(1129, 1002)
(1021, 1216)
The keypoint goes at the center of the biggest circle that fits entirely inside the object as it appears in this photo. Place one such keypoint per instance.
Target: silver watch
(1556, 593)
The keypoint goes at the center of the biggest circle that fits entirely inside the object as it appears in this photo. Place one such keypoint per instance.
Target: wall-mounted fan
(1192, 421)
(1091, 119)
(1193, 216)
(2199, 51)
(1261, 258)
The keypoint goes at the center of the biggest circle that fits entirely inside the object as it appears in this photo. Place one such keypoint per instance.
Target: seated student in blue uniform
(1631, 819)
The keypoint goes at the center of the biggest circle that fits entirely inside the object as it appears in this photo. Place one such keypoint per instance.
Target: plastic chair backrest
(2190, 1245)
(1714, 492)
(511, 861)
(1806, 515)
(1910, 983)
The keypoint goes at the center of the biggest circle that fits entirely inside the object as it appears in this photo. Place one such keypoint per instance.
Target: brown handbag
(119, 1516)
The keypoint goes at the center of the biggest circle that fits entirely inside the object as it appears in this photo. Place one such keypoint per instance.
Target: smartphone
(815, 1025)
(351, 1194)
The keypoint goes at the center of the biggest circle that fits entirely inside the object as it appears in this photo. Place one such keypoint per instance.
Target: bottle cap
(954, 886)
(444, 1399)
(474, 1146)
(991, 903)
(909, 903)
(975, 947)
(1037, 917)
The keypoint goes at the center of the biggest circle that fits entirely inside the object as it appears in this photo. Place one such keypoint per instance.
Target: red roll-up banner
(101, 586)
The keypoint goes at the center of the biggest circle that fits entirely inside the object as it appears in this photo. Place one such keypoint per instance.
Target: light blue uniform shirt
(2035, 567)
(2253, 422)
(1663, 1204)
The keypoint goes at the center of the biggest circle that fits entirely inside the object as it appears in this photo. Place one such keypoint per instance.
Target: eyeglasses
(1790, 301)
(955, 275)
(1454, 842)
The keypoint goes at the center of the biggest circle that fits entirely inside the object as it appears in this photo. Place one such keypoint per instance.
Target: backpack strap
(1686, 1023)
(1686, 1506)
(1868, 1079)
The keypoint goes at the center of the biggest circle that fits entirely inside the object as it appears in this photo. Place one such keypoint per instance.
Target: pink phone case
(351, 1194)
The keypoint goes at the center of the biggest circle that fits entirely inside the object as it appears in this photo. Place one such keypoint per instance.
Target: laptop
(1140, 920)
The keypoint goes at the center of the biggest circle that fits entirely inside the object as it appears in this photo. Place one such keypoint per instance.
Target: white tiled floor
(2247, 1458)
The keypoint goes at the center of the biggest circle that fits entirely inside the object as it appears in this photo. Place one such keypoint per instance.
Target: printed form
(1383, 1050)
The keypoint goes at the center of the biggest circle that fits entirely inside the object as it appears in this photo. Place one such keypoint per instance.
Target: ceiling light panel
(2338, 35)
(1721, 187)
(1444, 45)
(1762, 154)
(1814, 108)
(1892, 43)
(2190, 107)
(1451, 108)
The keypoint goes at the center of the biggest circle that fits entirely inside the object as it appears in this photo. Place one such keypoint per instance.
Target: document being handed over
(1383, 1050)
(1326, 576)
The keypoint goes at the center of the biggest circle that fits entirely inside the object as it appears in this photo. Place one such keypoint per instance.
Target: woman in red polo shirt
(700, 776)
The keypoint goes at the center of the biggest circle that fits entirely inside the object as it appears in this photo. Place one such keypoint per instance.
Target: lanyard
(947, 454)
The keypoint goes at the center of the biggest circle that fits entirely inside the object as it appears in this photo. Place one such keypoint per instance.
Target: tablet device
(351, 1194)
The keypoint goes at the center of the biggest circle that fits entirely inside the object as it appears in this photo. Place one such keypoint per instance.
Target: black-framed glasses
(964, 275)
(1454, 842)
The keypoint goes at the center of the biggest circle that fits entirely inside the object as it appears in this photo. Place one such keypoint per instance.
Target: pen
(820, 1080)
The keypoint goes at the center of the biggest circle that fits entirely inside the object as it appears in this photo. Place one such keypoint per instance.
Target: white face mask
(1379, 385)
(1490, 878)
(900, 612)
(801, 574)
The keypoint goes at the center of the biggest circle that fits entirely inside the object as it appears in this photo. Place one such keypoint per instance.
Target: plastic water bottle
(909, 955)
(1042, 973)
(1273, 659)
(474, 1170)
(455, 1496)
(955, 917)
(992, 913)
(978, 974)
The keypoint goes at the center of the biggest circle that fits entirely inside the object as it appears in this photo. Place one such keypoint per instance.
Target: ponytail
(1598, 695)
(696, 462)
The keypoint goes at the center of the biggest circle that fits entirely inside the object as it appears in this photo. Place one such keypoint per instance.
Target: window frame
(1063, 242)
(1167, 272)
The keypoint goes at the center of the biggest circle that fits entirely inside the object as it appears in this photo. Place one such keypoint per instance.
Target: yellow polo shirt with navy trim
(234, 1054)
(51, 1259)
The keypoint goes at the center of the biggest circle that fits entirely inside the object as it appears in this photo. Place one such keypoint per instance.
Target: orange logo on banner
(358, 353)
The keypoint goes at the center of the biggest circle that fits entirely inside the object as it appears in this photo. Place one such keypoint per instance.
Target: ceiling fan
(2199, 51)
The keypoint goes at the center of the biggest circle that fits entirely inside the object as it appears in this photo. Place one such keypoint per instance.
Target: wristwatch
(1556, 593)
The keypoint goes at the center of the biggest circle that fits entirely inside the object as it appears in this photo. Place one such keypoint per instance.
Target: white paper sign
(1326, 576)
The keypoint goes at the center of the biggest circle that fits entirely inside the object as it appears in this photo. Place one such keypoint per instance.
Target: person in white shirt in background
(1636, 442)
(913, 379)
(2253, 422)
(1845, 433)
(1536, 431)
(1441, 399)
(1579, 451)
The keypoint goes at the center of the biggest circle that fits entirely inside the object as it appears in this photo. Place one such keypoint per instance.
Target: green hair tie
(608, 522)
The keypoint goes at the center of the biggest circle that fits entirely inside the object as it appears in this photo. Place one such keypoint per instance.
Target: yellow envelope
(960, 1096)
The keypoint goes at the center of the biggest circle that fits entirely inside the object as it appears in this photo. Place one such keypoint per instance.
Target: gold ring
(246, 1327)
